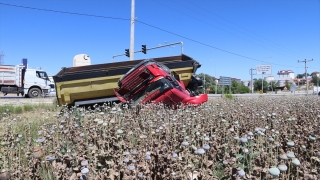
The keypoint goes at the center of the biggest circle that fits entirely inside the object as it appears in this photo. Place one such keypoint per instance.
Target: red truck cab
(152, 82)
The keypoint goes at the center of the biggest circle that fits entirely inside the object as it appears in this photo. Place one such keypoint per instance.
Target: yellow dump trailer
(95, 83)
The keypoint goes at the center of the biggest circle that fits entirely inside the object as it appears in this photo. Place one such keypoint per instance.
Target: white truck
(18, 79)
(316, 90)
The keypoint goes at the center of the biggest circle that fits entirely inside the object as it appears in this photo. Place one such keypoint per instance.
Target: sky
(228, 37)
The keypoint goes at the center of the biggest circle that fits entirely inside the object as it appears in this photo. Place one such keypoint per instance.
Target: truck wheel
(34, 92)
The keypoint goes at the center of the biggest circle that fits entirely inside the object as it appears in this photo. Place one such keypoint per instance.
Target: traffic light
(144, 49)
(127, 52)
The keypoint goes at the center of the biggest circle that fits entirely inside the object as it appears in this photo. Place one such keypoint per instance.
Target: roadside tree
(315, 80)
(258, 85)
(273, 85)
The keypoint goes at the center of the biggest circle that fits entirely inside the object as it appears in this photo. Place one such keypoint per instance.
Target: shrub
(6, 109)
(28, 107)
(228, 96)
(18, 110)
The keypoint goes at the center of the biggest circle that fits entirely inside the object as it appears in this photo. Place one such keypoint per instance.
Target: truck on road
(92, 84)
(18, 79)
(316, 90)
(152, 82)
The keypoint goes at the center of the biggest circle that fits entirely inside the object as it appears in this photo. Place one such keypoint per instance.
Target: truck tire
(34, 92)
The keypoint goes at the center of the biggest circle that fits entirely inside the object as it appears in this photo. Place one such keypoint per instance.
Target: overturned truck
(99, 83)
(152, 82)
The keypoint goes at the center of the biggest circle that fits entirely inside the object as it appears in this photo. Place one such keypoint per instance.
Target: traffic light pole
(132, 31)
(157, 47)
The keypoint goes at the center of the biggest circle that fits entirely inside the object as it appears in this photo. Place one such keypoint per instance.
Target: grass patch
(28, 107)
(6, 109)
(10, 109)
(228, 96)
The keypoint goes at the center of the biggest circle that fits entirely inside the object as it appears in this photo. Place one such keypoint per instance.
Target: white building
(316, 73)
(285, 75)
(246, 82)
(269, 78)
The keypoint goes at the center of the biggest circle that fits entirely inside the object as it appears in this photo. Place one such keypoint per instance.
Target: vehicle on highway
(152, 82)
(90, 84)
(19, 79)
(52, 85)
(316, 90)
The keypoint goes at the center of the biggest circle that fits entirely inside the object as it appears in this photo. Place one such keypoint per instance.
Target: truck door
(42, 78)
(29, 78)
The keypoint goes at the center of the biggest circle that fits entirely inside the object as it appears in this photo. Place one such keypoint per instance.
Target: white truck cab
(316, 90)
(36, 83)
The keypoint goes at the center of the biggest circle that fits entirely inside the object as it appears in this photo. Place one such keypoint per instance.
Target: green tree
(244, 89)
(287, 84)
(300, 76)
(238, 88)
(208, 83)
(258, 85)
(315, 80)
(273, 85)
(234, 87)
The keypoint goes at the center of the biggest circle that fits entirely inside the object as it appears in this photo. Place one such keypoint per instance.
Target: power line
(146, 24)
(64, 12)
(215, 26)
(210, 46)
(194, 4)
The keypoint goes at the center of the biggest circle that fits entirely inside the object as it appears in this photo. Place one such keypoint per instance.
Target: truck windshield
(163, 67)
(161, 86)
(174, 83)
(42, 75)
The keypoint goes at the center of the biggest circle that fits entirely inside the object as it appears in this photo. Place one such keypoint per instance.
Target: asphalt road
(269, 94)
(13, 99)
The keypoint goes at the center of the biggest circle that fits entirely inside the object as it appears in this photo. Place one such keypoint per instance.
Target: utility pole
(251, 83)
(204, 83)
(305, 67)
(132, 31)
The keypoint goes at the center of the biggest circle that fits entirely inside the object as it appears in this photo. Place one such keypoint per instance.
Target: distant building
(236, 79)
(285, 75)
(316, 73)
(269, 78)
(246, 83)
(301, 81)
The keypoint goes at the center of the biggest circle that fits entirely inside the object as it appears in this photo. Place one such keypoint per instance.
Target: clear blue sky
(227, 37)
